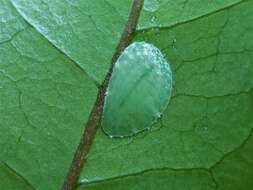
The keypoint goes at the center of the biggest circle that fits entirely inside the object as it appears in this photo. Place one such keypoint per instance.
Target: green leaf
(51, 57)
(11, 180)
(44, 100)
(163, 179)
(86, 31)
(167, 13)
(232, 172)
(138, 92)
(210, 113)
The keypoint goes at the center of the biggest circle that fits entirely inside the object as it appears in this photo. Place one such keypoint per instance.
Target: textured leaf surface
(233, 172)
(210, 113)
(80, 29)
(166, 13)
(139, 90)
(204, 139)
(197, 179)
(10, 179)
(44, 101)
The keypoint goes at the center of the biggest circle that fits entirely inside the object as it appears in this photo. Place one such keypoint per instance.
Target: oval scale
(138, 92)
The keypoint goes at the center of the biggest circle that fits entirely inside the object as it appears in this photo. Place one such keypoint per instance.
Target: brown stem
(95, 115)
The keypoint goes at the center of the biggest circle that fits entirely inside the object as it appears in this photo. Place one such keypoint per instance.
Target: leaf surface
(47, 88)
(210, 113)
(11, 180)
(86, 31)
(44, 101)
(167, 13)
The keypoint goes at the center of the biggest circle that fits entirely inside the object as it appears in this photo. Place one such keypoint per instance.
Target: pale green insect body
(138, 92)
